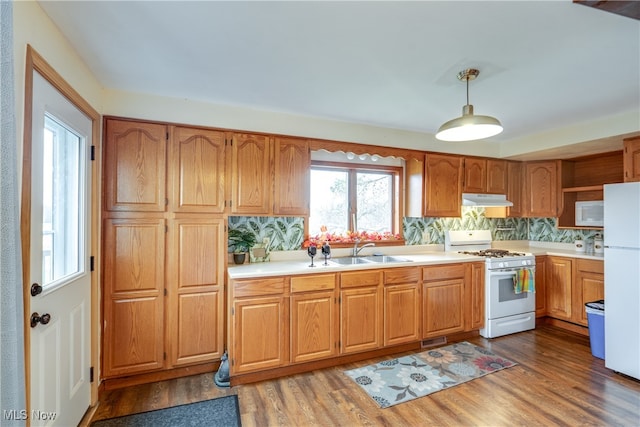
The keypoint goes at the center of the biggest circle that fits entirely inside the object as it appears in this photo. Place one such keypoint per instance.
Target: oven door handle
(511, 270)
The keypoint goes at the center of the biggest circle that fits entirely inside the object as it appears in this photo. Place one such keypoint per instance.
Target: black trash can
(595, 317)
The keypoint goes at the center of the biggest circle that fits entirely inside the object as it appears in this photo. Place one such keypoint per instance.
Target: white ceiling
(544, 65)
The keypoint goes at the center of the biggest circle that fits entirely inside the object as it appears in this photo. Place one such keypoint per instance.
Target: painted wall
(32, 26)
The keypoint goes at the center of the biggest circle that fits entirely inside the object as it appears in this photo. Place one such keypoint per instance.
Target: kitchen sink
(383, 259)
(350, 260)
(386, 259)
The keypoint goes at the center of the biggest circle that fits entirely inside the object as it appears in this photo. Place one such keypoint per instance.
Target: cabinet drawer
(400, 275)
(313, 283)
(360, 278)
(256, 287)
(450, 271)
(591, 265)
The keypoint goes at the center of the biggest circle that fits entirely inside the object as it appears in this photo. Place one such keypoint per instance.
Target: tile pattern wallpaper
(287, 233)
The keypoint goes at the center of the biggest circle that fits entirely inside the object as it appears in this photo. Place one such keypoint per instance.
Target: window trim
(396, 172)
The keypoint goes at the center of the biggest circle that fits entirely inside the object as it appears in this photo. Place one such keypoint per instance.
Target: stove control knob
(524, 262)
(501, 265)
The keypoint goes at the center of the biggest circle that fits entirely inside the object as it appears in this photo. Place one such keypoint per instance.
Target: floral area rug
(406, 378)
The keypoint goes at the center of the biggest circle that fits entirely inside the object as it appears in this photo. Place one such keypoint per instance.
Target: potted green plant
(242, 241)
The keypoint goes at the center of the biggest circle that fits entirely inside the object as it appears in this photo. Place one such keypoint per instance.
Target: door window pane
(62, 203)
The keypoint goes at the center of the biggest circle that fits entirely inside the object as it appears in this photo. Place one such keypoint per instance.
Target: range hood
(472, 199)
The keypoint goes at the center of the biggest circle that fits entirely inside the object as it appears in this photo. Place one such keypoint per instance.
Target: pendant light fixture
(469, 127)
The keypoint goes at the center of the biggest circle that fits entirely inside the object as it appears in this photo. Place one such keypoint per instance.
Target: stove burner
(493, 253)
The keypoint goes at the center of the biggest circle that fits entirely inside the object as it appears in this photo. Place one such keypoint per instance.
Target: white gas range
(506, 310)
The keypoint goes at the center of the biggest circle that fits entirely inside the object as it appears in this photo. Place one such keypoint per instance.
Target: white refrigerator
(622, 278)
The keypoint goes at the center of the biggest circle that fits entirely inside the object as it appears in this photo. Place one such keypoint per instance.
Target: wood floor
(556, 382)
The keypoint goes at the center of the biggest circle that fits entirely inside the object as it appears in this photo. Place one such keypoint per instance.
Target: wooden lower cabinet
(260, 334)
(360, 311)
(541, 286)
(401, 305)
(133, 295)
(570, 284)
(278, 322)
(474, 311)
(258, 324)
(195, 287)
(558, 286)
(588, 287)
(443, 299)
(314, 318)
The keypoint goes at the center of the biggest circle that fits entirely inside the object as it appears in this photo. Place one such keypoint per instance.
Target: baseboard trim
(151, 377)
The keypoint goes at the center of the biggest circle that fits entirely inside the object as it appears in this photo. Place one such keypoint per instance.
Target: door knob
(36, 318)
(36, 289)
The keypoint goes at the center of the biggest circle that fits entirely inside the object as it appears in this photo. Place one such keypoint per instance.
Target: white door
(60, 318)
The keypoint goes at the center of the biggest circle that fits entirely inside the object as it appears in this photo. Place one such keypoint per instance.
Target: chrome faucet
(356, 249)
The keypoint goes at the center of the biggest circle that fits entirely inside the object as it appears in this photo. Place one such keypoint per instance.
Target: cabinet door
(260, 333)
(541, 286)
(443, 185)
(196, 170)
(133, 295)
(514, 189)
(292, 175)
(475, 175)
(541, 189)
(360, 319)
(135, 156)
(559, 281)
(632, 159)
(313, 326)
(497, 176)
(195, 290)
(474, 313)
(251, 175)
(443, 307)
(589, 286)
(401, 314)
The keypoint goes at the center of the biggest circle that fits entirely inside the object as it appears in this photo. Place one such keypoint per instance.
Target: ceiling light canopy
(469, 127)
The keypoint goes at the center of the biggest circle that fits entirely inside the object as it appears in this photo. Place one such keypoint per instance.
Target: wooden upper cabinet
(475, 175)
(196, 169)
(251, 174)
(135, 159)
(443, 185)
(292, 176)
(514, 189)
(632, 159)
(541, 189)
(485, 176)
(497, 176)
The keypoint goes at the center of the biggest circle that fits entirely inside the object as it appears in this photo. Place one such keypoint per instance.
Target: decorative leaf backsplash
(287, 233)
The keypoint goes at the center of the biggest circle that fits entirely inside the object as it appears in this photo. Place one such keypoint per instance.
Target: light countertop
(298, 262)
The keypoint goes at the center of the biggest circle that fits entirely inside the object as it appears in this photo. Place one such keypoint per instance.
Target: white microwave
(590, 214)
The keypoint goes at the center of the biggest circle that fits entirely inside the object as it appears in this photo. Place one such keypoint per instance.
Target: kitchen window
(347, 197)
